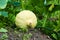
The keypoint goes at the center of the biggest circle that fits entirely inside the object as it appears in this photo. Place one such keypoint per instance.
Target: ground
(18, 35)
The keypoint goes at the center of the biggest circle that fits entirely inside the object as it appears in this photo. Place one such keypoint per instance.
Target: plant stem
(23, 4)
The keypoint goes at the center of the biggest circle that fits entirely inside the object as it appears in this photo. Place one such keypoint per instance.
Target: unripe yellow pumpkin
(26, 18)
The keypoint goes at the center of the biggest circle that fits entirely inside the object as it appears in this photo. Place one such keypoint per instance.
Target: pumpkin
(26, 19)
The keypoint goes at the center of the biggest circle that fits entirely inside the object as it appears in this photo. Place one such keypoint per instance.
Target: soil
(18, 35)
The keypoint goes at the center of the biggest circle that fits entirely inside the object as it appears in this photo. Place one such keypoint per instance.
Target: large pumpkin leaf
(3, 4)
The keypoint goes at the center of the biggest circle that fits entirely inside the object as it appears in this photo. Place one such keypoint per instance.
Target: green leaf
(54, 35)
(3, 13)
(3, 4)
(51, 7)
(3, 30)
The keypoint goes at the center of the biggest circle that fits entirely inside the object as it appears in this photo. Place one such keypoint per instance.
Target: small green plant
(4, 36)
(27, 36)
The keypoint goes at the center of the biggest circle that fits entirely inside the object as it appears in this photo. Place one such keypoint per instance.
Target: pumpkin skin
(25, 19)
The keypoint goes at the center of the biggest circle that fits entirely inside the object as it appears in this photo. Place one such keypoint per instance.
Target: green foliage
(56, 2)
(48, 15)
